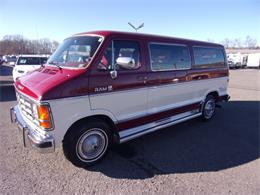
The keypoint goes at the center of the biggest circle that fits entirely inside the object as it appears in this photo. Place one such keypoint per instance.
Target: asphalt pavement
(216, 157)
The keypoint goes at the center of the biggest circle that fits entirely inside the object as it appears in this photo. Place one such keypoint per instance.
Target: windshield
(75, 52)
(31, 60)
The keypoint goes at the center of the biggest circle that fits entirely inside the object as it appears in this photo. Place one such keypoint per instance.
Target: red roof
(106, 33)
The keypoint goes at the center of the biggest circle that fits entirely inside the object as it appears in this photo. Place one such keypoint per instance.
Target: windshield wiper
(55, 63)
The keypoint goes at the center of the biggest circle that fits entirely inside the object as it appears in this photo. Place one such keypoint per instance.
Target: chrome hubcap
(209, 108)
(92, 145)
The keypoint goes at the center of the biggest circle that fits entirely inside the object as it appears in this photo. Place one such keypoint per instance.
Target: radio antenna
(136, 28)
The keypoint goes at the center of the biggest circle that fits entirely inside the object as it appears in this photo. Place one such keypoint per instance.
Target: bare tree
(227, 43)
(54, 46)
(210, 40)
(237, 43)
(250, 42)
(17, 44)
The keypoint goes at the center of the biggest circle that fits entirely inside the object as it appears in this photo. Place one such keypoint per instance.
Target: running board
(133, 133)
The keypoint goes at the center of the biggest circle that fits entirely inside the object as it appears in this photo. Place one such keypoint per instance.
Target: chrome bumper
(32, 138)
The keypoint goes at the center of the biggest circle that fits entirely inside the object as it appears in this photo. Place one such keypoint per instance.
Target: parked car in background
(11, 60)
(231, 64)
(27, 63)
(235, 60)
(1, 60)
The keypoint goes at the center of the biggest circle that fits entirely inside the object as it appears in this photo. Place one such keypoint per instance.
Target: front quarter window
(121, 55)
(76, 52)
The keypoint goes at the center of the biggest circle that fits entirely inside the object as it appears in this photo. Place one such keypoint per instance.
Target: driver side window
(121, 55)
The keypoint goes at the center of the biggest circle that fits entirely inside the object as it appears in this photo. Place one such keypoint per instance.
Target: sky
(193, 19)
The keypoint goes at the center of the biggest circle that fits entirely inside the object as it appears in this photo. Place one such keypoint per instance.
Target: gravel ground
(217, 157)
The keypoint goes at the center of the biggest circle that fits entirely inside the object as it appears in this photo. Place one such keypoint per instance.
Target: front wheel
(209, 108)
(87, 143)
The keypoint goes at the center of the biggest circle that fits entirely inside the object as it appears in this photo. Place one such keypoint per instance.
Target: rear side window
(169, 57)
(208, 57)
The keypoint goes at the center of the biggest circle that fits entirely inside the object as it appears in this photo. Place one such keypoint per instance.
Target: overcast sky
(198, 19)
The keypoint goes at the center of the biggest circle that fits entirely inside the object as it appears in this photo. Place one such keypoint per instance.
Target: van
(27, 63)
(105, 87)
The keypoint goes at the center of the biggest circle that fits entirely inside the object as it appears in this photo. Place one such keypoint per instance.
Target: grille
(25, 105)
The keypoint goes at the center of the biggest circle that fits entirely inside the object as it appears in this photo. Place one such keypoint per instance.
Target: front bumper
(43, 143)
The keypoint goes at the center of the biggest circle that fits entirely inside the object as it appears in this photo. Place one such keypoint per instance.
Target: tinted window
(208, 57)
(122, 50)
(169, 57)
(28, 61)
(43, 60)
(31, 60)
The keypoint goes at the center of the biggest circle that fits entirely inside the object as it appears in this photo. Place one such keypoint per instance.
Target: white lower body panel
(133, 133)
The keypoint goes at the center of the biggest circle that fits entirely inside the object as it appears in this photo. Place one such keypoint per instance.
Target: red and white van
(106, 87)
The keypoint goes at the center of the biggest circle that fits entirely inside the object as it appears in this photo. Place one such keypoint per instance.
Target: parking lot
(217, 157)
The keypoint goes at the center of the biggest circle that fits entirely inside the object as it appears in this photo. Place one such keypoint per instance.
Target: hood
(26, 68)
(53, 83)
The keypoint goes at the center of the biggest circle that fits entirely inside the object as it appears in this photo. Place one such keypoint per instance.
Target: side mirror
(126, 62)
(113, 74)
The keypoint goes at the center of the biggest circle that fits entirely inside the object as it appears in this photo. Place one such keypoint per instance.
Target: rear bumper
(43, 143)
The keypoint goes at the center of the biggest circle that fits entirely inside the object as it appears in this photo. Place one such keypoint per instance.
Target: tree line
(249, 42)
(18, 44)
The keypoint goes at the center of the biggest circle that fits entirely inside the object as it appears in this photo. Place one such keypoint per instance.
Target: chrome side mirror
(113, 74)
(126, 62)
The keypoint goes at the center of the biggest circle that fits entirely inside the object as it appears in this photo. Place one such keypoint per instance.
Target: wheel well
(103, 118)
(214, 94)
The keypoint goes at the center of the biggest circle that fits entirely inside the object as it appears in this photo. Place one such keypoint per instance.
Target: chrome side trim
(133, 133)
(127, 90)
(153, 87)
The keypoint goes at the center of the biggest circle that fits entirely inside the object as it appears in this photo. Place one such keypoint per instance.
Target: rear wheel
(87, 143)
(209, 107)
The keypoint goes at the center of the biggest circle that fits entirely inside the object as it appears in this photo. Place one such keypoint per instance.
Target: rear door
(169, 89)
(126, 95)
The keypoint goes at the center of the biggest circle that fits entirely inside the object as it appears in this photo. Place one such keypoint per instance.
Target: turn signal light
(44, 116)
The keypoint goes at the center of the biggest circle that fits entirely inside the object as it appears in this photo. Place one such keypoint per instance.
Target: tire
(208, 108)
(87, 143)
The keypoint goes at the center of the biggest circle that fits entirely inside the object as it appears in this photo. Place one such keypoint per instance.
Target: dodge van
(105, 87)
